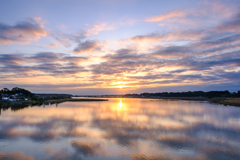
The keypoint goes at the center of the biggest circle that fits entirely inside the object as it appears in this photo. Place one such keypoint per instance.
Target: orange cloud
(167, 16)
(52, 46)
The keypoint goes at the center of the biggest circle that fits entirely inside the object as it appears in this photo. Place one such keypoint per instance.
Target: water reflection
(122, 129)
(120, 103)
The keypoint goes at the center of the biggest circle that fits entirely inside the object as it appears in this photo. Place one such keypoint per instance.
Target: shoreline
(22, 104)
(16, 105)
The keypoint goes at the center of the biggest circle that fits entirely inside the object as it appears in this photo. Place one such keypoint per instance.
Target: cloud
(173, 51)
(190, 63)
(123, 61)
(49, 63)
(205, 54)
(177, 142)
(11, 59)
(66, 39)
(205, 14)
(87, 46)
(52, 46)
(217, 9)
(54, 57)
(182, 35)
(214, 40)
(42, 137)
(21, 33)
(84, 148)
(96, 28)
(15, 155)
(167, 16)
(145, 157)
(123, 54)
(151, 37)
(231, 25)
(202, 58)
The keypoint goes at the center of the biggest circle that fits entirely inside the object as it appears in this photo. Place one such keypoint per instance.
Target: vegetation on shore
(230, 101)
(18, 98)
(24, 98)
(200, 94)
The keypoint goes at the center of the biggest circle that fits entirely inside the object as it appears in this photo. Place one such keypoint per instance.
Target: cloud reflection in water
(123, 129)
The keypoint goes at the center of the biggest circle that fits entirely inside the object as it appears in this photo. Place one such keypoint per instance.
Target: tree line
(16, 90)
(209, 94)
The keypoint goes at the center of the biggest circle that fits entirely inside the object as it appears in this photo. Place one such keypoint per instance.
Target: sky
(95, 47)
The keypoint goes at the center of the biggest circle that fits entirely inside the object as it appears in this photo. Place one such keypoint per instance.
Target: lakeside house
(14, 97)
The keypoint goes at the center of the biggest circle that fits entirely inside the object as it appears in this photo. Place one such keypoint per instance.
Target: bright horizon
(116, 47)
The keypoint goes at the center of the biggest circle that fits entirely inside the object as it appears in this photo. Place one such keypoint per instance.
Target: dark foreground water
(122, 129)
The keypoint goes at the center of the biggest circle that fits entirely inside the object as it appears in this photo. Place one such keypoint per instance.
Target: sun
(120, 87)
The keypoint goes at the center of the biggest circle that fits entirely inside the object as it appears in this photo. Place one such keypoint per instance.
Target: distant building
(5, 98)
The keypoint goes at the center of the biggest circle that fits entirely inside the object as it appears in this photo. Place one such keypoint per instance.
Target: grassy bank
(230, 101)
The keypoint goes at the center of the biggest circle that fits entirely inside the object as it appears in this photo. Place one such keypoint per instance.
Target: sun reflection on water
(120, 103)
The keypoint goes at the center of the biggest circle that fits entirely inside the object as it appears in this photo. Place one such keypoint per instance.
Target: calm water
(122, 129)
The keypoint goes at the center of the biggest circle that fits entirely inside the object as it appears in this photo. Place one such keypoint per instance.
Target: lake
(122, 129)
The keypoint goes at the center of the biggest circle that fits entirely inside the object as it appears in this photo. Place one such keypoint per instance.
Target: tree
(6, 91)
(1, 95)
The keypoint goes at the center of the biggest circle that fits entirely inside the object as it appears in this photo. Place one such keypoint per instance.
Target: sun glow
(121, 87)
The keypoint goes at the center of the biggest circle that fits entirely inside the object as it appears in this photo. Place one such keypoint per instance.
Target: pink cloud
(52, 46)
(151, 37)
(208, 12)
(218, 9)
(170, 36)
(167, 16)
(96, 28)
